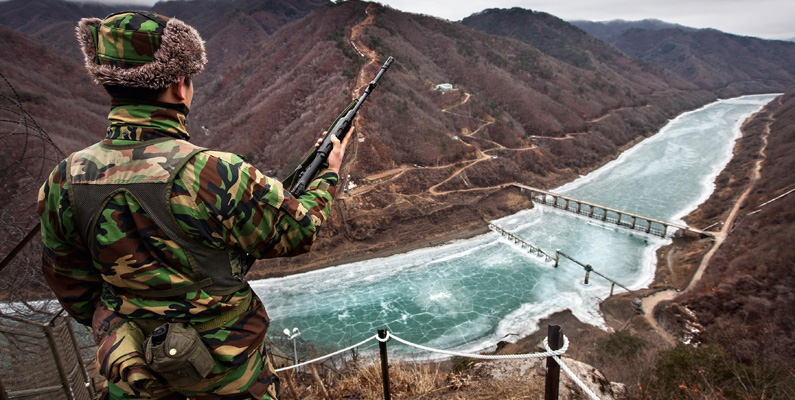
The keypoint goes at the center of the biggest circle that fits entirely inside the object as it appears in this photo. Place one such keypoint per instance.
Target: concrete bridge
(624, 219)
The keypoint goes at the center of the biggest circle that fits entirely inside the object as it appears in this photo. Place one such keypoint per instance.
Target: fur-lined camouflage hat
(140, 49)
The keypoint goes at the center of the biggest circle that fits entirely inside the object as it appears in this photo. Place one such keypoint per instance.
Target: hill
(52, 21)
(41, 91)
(518, 114)
(608, 30)
(747, 290)
(223, 23)
(52, 87)
(541, 107)
(526, 111)
(727, 64)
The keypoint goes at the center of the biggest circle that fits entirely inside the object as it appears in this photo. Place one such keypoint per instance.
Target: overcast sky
(770, 19)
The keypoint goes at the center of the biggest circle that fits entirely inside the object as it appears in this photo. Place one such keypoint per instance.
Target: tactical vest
(146, 171)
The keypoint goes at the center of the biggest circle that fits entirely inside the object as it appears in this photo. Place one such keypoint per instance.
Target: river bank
(399, 291)
(463, 222)
(676, 266)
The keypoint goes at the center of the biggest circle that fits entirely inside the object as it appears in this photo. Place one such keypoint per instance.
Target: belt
(149, 325)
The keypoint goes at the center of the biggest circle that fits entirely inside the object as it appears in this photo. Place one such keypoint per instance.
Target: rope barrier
(549, 353)
(328, 355)
(568, 372)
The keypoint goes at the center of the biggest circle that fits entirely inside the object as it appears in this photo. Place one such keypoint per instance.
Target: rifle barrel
(339, 129)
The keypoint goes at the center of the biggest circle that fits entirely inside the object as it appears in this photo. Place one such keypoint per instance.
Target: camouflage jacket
(217, 199)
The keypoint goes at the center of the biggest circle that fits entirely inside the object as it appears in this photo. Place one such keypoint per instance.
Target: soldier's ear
(180, 89)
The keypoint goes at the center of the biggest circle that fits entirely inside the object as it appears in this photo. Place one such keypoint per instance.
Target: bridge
(624, 219)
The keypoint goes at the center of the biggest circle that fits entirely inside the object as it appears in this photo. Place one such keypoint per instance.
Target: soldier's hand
(338, 151)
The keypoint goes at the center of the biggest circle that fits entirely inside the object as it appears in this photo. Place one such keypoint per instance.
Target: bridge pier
(566, 204)
(604, 215)
(648, 227)
(590, 213)
(579, 207)
(633, 222)
(618, 222)
(557, 257)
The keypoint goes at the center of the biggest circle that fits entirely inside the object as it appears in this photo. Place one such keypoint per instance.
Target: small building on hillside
(444, 87)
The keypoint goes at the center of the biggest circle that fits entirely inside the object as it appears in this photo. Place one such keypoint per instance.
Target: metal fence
(42, 356)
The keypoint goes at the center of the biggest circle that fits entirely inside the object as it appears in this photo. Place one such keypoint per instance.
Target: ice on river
(469, 294)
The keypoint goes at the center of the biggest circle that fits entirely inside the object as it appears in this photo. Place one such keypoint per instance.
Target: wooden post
(323, 390)
(384, 363)
(552, 384)
(287, 374)
(291, 385)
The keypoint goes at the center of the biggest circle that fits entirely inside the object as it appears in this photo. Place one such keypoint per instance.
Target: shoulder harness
(146, 171)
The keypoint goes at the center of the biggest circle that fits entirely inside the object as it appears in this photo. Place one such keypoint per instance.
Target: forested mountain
(607, 30)
(53, 88)
(549, 34)
(541, 107)
(728, 64)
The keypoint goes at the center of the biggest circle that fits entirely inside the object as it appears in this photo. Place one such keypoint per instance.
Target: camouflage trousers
(120, 359)
(264, 386)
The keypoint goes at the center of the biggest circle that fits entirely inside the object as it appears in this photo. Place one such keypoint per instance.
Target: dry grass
(362, 380)
(412, 380)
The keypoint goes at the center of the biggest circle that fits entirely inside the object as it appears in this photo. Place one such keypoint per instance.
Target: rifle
(299, 179)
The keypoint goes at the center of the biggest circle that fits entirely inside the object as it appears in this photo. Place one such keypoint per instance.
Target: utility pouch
(181, 358)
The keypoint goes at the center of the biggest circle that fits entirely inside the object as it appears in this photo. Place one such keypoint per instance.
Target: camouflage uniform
(109, 279)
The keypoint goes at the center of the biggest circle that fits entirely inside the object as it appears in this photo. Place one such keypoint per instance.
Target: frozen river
(469, 294)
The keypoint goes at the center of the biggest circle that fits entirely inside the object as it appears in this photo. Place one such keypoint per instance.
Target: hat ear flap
(86, 33)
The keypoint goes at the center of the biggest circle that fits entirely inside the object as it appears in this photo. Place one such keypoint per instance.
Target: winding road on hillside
(650, 302)
(459, 171)
(459, 168)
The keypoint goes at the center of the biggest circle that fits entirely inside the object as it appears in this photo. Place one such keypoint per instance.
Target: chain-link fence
(43, 355)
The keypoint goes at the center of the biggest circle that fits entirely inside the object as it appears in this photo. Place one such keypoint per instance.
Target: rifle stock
(299, 179)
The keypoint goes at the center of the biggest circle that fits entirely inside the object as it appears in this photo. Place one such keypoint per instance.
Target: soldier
(147, 238)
